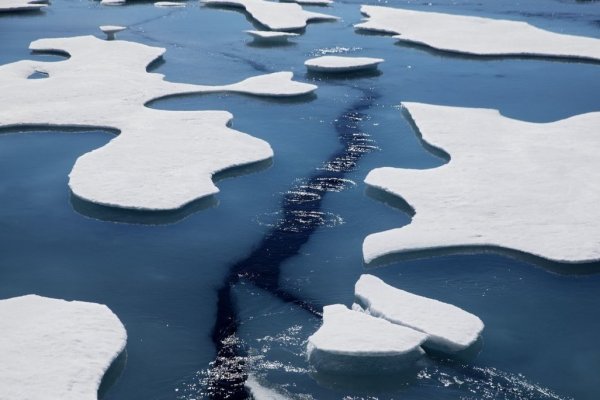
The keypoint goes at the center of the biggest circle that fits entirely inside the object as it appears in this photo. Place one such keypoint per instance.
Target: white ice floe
(21, 5)
(448, 328)
(354, 342)
(161, 160)
(309, 2)
(111, 30)
(271, 36)
(56, 349)
(342, 64)
(113, 2)
(273, 15)
(169, 4)
(259, 392)
(476, 35)
(513, 184)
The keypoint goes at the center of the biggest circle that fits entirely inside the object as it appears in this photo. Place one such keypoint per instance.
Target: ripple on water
(295, 221)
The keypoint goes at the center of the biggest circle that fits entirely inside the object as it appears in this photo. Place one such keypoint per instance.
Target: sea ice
(56, 349)
(512, 184)
(476, 35)
(169, 4)
(111, 30)
(354, 342)
(271, 36)
(309, 2)
(161, 160)
(21, 5)
(259, 392)
(275, 16)
(338, 64)
(448, 328)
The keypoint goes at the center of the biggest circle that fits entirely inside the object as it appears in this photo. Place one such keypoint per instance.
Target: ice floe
(21, 5)
(354, 342)
(338, 64)
(509, 183)
(161, 160)
(275, 16)
(309, 2)
(111, 30)
(476, 35)
(448, 328)
(113, 2)
(56, 349)
(169, 4)
(268, 37)
(260, 392)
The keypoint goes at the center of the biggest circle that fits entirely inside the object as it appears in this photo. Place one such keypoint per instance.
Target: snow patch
(448, 328)
(342, 64)
(7, 6)
(357, 343)
(511, 184)
(56, 349)
(162, 160)
(271, 36)
(476, 35)
(273, 15)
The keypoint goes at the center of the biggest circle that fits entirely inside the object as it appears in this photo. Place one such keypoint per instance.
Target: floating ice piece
(512, 184)
(56, 349)
(354, 342)
(448, 328)
(20, 5)
(273, 37)
(111, 30)
(476, 35)
(259, 392)
(113, 2)
(169, 4)
(339, 64)
(309, 2)
(162, 160)
(273, 15)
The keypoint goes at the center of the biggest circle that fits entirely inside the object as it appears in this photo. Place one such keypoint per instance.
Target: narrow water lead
(300, 216)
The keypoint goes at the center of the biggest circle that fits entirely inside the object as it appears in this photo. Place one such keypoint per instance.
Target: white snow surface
(275, 16)
(342, 63)
(56, 349)
(448, 327)
(20, 5)
(476, 35)
(161, 160)
(509, 183)
(169, 4)
(309, 2)
(260, 392)
(354, 333)
(271, 36)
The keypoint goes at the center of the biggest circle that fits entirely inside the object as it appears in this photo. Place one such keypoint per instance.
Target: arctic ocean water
(267, 256)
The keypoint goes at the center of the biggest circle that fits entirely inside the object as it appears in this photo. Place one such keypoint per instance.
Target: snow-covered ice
(161, 160)
(476, 35)
(271, 36)
(448, 328)
(169, 4)
(113, 2)
(342, 64)
(309, 2)
(20, 5)
(56, 349)
(111, 30)
(512, 184)
(354, 342)
(275, 16)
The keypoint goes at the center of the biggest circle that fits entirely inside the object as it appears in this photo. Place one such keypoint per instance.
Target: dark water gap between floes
(300, 216)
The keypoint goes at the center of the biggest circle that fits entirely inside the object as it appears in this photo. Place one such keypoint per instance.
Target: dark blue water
(164, 281)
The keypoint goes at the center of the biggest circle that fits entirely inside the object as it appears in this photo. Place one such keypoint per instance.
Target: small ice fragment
(342, 64)
(111, 30)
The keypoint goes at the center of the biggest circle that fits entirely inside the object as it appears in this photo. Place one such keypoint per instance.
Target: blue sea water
(167, 282)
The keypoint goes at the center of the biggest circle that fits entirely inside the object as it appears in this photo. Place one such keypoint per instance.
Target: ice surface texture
(476, 35)
(525, 186)
(354, 342)
(21, 5)
(275, 16)
(449, 329)
(342, 64)
(271, 36)
(56, 349)
(161, 160)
